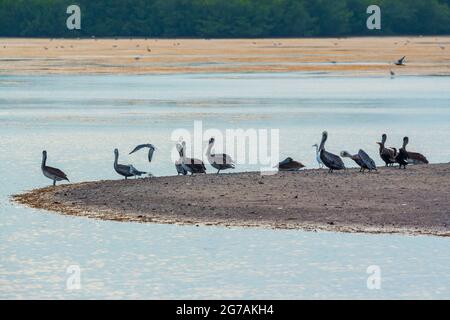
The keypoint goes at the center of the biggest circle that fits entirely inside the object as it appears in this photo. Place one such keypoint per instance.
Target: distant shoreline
(352, 56)
(415, 201)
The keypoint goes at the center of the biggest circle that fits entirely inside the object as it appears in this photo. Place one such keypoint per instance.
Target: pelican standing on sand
(190, 164)
(219, 161)
(362, 159)
(52, 173)
(331, 161)
(135, 172)
(402, 156)
(290, 164)
(387, 155)
(416, 158)
(126, 171)
(318, 155)
(179, 162)
(151, 150)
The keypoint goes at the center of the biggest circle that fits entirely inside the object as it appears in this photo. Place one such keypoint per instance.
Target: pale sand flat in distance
(414, 201)
(345, 56)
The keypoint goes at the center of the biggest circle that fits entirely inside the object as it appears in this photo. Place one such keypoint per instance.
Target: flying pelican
(151, 150)
(318, 155)
(126, 171)
(52, 173)
(362, 159)
(331, 161)
(190, 164)
(400, 62)
(219, 161)
(387, 155)
(179, 162)
(402, 156)
(289, 164)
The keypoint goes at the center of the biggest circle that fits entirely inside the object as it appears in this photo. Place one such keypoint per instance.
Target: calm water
(81, 119)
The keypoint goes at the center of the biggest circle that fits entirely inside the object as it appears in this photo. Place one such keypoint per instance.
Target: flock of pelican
(220, 162)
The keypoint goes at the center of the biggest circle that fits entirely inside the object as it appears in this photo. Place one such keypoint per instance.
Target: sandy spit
(414, 202)
(345, 56)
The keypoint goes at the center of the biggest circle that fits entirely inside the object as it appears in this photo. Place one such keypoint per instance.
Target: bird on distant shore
(219, 161)
(402, 156)
(401, 62)
(362, 159)
(289, 164)
(318, 155)
(52, 173)
(331, 161)
(386, 154)
(392, 74)
(179, 162)
(151, 150)
(126, 171)
(192, 165)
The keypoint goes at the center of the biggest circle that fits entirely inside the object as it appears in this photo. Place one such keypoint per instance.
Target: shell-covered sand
(414, 201)
(348, 56)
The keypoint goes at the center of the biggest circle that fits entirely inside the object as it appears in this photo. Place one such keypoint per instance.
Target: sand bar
(352, 56)
(415, 201)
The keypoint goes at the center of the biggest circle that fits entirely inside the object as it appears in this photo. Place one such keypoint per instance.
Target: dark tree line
(222, 18)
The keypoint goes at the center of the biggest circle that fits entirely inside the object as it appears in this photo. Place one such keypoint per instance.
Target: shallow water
(79, 120)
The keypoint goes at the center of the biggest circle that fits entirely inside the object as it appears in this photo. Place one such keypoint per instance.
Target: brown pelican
(400, 62)
(52, 173)
(126, 171)
(331, 161)
(318, 155)
(190, 164)
(179, 162)
(219, 161)
(135, 172)
(368, 161)
(416, 158)
(362, 159)
(402, 156)
(387, 155)
(289, 164)
(151, 150)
